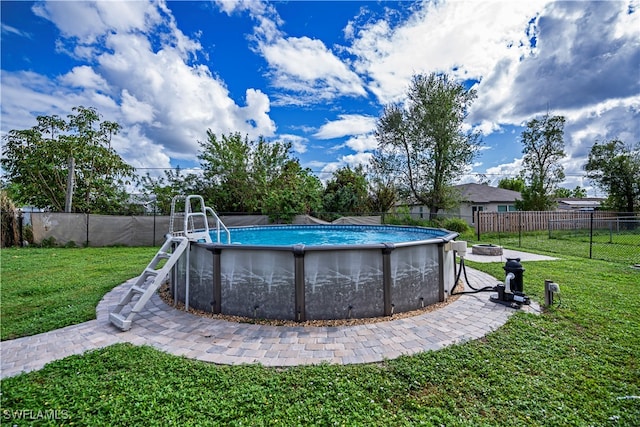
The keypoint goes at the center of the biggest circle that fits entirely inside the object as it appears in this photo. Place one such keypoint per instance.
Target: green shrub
(28, 234)
(402, 216)
(458, 225)
(49, 242)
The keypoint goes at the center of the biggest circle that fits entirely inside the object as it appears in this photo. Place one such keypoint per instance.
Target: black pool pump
(510, 293)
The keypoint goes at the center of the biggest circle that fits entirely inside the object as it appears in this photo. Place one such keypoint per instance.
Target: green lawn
(575, 365)
(49, 288)
(619, 248)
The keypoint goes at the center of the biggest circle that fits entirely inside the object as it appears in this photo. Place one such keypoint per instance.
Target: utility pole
(68, 200)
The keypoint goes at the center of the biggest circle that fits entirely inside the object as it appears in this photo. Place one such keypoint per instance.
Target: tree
(482, 179)
(565, 193)
(294, 191)
(9, 235)
(514, 184)
(256, 177)
(427, 148)
(174, 183)
(578, 192)
(346, 193)
(225, 162)
(543, 148)
(49, 163)
(382, 189)
(615, 168)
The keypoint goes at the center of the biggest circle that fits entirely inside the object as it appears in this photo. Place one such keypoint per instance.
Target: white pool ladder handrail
(194, 219)
(219, 225)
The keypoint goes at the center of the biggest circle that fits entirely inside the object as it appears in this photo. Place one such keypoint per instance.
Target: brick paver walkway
(177, 332)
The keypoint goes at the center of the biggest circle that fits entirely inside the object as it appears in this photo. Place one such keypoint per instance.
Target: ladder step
(151, 272)
(149, 281)
(138, 289)
(120, 321)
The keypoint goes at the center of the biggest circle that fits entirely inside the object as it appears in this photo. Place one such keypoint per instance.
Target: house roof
(482, 193)
(585, 202)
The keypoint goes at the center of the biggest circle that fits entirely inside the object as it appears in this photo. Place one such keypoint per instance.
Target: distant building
(581, 204)
(476, 198)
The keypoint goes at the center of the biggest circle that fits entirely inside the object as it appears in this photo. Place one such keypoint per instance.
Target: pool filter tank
(510, 292)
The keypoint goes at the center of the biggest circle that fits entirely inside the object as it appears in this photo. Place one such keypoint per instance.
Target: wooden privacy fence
(513, 222)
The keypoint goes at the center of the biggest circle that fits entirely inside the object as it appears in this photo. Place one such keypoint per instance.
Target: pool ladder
(148, 282)
(191, 224)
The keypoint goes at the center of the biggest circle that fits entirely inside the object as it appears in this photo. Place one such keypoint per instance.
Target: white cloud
(612, 119)
(354, 160)
(328, 169)
(577, 59)
(362, 143)
(139, 70)
(298, 143)
(84, 77)
(135, 111)
(7, 29)
(305, 66)
(26, 94)
(465, 39)
(581, 59)
(487, 127)
(347, 124)
(302, 70)
(256, 7)
(88, 21)
(351, 160)
(510, 170)
(256, 114)
(315, 164)
(528, 56)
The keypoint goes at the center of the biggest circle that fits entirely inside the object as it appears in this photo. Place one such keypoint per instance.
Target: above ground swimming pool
(322, 235)
(317, 272)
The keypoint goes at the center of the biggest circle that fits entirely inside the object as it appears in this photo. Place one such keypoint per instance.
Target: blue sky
(318, 74)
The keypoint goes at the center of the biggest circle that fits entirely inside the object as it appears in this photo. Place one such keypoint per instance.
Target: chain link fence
(83, 230)
(595, 235)
(606, 238)
(611, 237)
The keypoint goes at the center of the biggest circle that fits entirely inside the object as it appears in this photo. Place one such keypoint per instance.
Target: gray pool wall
(315, 282)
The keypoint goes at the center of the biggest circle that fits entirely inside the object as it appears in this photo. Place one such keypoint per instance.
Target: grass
(575, 365)
(622, 248)
(45, 289)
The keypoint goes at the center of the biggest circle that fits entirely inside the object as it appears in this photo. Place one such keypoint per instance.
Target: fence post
(610, 232)
(591, 235)
(478, 224)
(86, 243)
(20, 228)
(299, 283)
(217, 281)
(519, 230)
(154, 225)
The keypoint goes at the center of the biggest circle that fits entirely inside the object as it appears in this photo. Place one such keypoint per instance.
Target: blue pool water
(318, 235)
